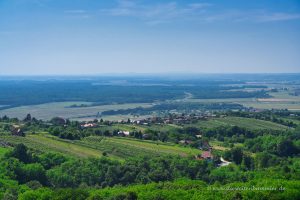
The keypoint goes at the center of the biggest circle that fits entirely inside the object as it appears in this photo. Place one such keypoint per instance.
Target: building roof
(206, 154)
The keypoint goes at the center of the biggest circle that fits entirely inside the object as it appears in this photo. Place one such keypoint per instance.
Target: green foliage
(39, 194)
(20, 152)
(104, 172)
(287, 148)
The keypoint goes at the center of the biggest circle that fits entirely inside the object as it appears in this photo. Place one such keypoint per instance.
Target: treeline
(180, 107)
(208, 93)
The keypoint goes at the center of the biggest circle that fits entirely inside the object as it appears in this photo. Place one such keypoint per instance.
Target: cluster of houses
(171, 119)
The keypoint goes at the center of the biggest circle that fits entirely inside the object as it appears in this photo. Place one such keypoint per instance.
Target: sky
(90, 37)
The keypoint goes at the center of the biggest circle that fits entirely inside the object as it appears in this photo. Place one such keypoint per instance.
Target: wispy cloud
(201, 12)
(158, 13)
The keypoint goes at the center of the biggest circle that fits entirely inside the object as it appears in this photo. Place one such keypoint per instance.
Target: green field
(249, 123)
(94, 146)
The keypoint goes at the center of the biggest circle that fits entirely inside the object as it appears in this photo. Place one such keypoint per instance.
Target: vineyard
(95, 146)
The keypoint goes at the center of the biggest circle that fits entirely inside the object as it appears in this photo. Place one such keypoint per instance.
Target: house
(185, 142)
(18, 132)
(205, 155)
(168, 121)
(89, 125)
(123, 133)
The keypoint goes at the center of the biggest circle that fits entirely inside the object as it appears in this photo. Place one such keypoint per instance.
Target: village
(203, 145)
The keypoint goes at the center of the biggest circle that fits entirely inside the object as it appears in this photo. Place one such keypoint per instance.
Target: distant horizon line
(149, 74)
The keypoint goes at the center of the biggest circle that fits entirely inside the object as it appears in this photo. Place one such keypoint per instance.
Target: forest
(129, 90)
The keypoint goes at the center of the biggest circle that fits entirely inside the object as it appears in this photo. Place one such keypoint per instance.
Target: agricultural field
(113, 117)
(63, 109)
(125, 148)
(48, 144)
(94, 146)
(277, 100)
(249, 123)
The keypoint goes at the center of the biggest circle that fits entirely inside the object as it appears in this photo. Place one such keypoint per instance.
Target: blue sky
(127, 36)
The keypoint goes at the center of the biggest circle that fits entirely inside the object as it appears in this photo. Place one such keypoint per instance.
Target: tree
(247, 162)
(58, 121)
(33, 172)
(237, 155)
(27, 118)
(287, 148)
(20, 152)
